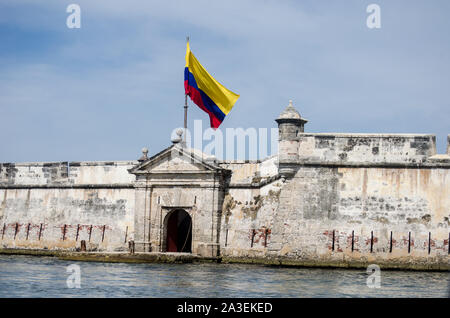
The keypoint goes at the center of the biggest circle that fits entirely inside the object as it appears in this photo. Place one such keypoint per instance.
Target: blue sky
(104, 91)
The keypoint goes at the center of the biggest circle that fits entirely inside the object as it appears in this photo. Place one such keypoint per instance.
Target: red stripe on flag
(196, 97)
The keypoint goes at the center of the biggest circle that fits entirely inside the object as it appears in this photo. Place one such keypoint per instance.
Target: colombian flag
(211, 96)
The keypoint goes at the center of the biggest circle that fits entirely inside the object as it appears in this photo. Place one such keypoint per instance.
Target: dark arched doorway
(179, 232)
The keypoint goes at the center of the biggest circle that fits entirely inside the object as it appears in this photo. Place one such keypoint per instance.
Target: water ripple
(28, 276)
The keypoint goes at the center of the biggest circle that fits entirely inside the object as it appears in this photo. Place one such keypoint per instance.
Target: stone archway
(178, 232)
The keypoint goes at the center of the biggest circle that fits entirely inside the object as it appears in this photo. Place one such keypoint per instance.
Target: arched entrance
(179, 232)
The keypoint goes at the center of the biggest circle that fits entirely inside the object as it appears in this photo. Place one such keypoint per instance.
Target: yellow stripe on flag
(220, 95)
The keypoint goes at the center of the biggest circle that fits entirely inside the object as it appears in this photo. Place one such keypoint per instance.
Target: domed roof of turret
(290, 115)
(290, 112)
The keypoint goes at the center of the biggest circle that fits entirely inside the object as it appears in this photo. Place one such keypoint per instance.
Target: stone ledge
(406, 165)
(177, 258)
(66, 186)
(70, 163)
(368, 135)
(355, 264)
(113, 257)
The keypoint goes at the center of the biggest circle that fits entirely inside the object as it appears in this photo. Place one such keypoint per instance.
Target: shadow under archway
(179, 232)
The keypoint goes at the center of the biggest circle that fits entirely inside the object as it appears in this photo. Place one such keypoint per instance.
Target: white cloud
(124, 68)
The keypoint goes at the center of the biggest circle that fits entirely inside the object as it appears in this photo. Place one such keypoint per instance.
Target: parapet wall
(366, 148)
(247, 172)
(66, 173)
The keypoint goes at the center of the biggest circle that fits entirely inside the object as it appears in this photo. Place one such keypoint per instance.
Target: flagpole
(185, 109)
(185, 117)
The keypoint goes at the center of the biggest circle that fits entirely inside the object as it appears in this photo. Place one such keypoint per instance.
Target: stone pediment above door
(177, 159)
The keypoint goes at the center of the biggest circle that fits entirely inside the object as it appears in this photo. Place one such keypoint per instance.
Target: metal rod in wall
(332, 246)
(265, 237)
(90, 232)
(371, 241)
(78, 231)
(64, 232)
(28, 230)
(253, 237)
(429, 242)
(353, 240)
(409, 242)
(16, 229)
(40, 232)
(103, 233)
(390, 244)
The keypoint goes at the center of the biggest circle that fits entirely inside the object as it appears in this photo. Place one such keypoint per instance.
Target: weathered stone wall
(249, 207)
(251, 171)
(247, 220)
(365, 205)
(330, 214)
(354, 198)
(56, 205)
(348, 198)
(366, 148)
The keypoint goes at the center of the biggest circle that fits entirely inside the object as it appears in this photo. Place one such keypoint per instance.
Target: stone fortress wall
(56, 205)
(344, 199)
(327, 199)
